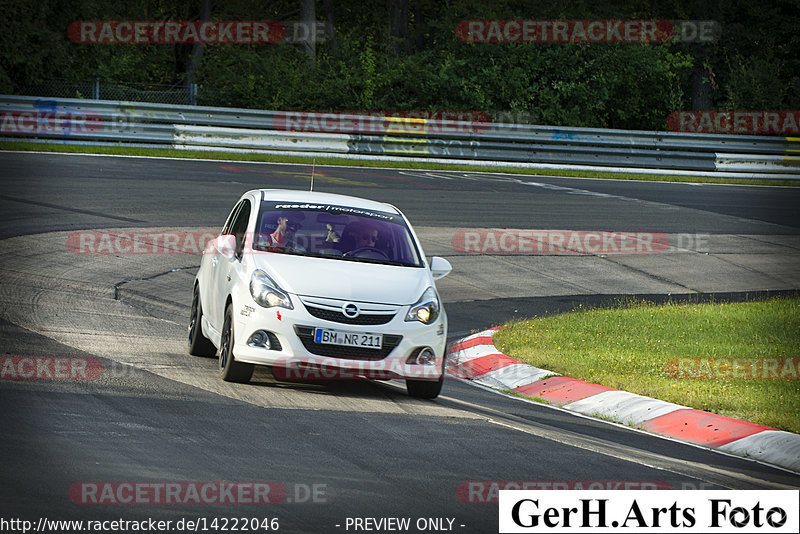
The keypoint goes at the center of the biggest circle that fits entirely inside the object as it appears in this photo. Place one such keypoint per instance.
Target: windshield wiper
(376, 261)
(278, 250)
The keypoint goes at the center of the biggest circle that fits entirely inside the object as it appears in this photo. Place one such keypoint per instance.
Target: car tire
(231, 370)
(199, 344)
(424, 389)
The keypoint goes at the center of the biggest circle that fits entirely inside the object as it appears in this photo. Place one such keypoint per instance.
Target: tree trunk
(701, 88)
(398, 23)
(329, 32)
(309, 17)
(702, 84)
(188, 55)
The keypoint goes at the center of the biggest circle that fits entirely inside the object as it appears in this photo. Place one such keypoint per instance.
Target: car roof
(295, 196)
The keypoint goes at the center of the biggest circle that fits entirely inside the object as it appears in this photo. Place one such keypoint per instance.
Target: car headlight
(267, 293)
(426, 309)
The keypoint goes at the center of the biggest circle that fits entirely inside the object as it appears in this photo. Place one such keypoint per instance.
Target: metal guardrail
(78, 121)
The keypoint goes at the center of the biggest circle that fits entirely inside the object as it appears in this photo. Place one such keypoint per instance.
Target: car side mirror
(440, 267)
(226, 245)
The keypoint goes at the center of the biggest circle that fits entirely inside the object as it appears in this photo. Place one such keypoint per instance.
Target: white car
(318, 285)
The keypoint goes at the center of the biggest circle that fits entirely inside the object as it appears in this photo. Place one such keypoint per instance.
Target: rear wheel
(199, 345)
(424, 389)
(229, 368)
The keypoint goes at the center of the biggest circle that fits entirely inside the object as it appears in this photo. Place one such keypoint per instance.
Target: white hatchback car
(318, 285)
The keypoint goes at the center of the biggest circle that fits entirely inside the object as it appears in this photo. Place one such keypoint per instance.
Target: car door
(222, 271)
(210, 280)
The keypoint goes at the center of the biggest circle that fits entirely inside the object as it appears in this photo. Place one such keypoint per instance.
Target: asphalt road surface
(331, 451)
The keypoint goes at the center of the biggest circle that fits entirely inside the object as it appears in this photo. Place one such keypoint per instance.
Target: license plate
(348, 339)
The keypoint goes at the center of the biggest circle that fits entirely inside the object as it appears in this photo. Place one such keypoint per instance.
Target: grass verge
(366, 162)
(712, 356)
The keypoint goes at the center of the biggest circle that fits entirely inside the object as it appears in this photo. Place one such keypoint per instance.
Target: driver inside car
(358, 235)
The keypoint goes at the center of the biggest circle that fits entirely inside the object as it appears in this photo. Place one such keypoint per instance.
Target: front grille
(365, 319)
(306, 335)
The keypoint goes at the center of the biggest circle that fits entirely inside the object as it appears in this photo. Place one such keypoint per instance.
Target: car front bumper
(293, 353)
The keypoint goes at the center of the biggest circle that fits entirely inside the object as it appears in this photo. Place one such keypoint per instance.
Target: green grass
(367, 162)
(633, 347)
(526, 397)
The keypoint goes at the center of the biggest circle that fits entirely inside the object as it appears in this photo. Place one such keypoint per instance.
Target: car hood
(345, 280)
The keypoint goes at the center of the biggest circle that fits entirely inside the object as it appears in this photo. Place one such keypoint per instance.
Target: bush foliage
(755, 65)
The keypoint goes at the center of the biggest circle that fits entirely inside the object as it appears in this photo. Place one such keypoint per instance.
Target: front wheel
(229, 368)
(199, 345)
(424, 389)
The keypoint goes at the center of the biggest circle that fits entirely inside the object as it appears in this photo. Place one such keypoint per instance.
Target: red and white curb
(475, 358)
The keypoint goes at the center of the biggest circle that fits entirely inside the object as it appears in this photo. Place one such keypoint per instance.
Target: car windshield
(337, 232)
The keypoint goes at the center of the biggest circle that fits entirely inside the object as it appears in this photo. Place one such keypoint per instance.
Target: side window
(239, 225)
(227, 228)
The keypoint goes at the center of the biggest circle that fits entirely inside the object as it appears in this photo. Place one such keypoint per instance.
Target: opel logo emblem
(350, 310)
